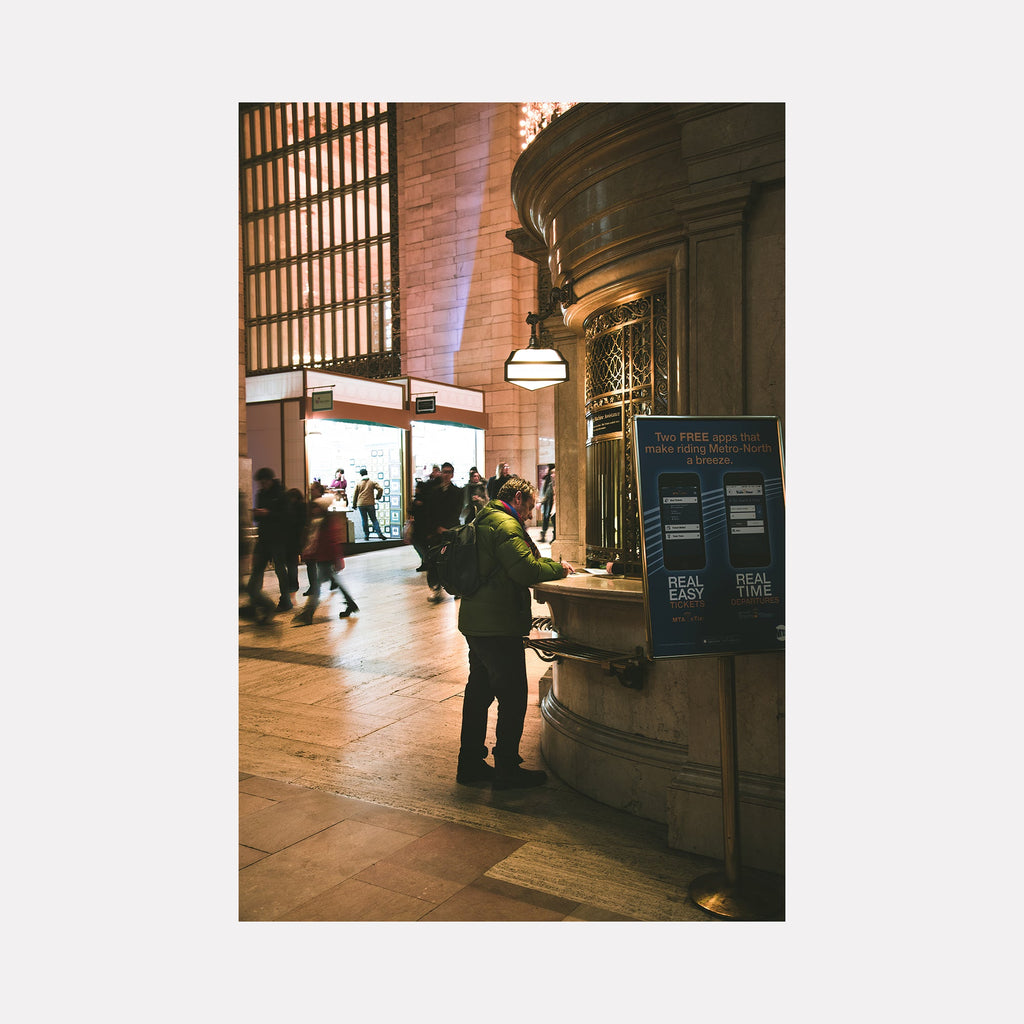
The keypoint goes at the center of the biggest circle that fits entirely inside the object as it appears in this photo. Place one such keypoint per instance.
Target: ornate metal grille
(626, 376)
(319, 204)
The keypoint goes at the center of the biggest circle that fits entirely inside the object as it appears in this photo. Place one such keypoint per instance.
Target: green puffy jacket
(502, 606)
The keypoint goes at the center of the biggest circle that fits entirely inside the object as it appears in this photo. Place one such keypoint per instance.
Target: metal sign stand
(725, 893)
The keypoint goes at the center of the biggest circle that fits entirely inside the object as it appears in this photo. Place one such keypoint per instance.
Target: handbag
(309, 551)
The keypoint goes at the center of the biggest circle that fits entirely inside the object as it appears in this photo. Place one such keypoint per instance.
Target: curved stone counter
(655, 752)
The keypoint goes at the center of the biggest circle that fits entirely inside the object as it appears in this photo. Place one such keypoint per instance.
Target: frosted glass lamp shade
(534, 368)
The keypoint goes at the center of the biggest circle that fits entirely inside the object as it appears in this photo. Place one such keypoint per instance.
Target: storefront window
(332, 445)
(462, 446)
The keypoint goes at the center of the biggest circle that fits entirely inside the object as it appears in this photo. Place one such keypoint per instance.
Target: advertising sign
(712, 502)
(323, 401)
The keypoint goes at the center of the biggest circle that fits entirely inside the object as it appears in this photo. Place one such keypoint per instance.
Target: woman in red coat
(324, 558)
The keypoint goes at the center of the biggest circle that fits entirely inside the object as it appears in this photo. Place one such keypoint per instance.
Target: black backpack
(453, 564)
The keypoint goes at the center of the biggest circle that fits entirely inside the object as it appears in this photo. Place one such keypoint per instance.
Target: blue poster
(711, 491)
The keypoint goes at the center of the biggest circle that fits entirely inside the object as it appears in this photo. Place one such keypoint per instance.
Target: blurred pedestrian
(444, 505)
(476, 495)
(547, 502)
(418, 513)
(296, 516)
(271, 533)
(366, 494)
(501, 473)
(324, 556)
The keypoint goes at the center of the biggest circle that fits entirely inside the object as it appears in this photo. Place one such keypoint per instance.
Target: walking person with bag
(494, 619)
(324, 558)
(271, 537)
(444, 506)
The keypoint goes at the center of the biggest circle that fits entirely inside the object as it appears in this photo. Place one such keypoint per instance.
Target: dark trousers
(261, 557)
(548, 520)
(497, 672)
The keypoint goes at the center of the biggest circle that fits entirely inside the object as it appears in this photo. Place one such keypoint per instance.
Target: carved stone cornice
(714, 209)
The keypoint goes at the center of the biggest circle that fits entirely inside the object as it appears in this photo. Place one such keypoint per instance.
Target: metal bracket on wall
(627, 668)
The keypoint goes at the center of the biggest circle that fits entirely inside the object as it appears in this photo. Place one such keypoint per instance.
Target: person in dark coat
(271, 532)
(296, 516)
(547, 503)
(419, 513)
(476, 495)
(501, 473)
(444, 506)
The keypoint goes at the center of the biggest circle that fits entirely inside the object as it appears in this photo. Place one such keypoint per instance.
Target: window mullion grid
(378, 230)
(365, 290)
(305, 334)
(328, 264)
(346, 258)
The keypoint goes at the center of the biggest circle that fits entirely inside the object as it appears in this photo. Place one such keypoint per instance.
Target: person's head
(264, 477)
(294, 495)
(447, 472)
(316, 490)
(435, 471)
(520, 494)
(498, 468)
(363, 472)
(474, 477)
(506, 469)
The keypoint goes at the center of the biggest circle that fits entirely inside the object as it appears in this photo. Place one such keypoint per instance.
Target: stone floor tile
(355, 900)
(247, 803)
(288, 821)
(247, 856)
(324, 726)
(520, 893)
(392, 817)
(474, 903)
(454, 852)
(286, 880)
(272, 789)
(584, 912)
(408, 880)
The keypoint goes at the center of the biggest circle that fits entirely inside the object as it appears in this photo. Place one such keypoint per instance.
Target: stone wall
(464, 293)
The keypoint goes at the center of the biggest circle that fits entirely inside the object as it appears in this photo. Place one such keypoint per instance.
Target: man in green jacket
(494, 621)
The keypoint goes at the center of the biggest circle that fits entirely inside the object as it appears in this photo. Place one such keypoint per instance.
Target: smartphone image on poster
(682, 522)
(746, 520)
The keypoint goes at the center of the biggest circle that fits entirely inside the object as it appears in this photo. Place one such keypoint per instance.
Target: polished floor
(348, 805)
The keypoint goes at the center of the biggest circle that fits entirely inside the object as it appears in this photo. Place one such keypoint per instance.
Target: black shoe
(353, 607)
(518, 778)
(474, 771)
(345, 614)
(334, 586)
(306, 593)
(284, 606)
